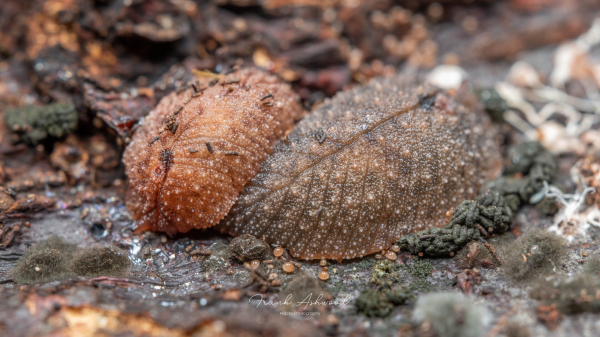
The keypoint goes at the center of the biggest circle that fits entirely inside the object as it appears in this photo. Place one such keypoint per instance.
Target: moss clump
(44, 262)
(535, 253)
(451, 315)
(380, 302)
(385, 272)
(41, 267)
(571, 295)
(247, 248)
(55, 259)
(100, 261)
(35, 123)
(373, 303)
(592, 265)
(420, 269)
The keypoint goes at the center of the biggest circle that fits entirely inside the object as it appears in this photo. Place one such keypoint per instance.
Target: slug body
(197, 149)
(367, 167)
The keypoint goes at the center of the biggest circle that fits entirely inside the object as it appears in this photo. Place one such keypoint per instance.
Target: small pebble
(323, 275)
(288, 267)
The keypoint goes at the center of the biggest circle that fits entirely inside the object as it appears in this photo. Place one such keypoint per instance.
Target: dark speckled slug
(198, 148)
(367, 167)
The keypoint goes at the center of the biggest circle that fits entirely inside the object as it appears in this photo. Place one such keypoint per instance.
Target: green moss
(385, 272)
(373, 303)
(419, 269)
(380, 301)
(35, 123)
(100, 261)
(400, 295)
(534, 254)
(44, 262)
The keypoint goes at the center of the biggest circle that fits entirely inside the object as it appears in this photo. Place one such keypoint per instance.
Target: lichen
(35, 123)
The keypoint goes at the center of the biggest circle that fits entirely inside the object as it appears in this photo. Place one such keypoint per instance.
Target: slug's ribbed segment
(365, 168)
(198, 148)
